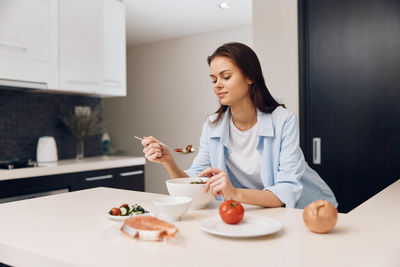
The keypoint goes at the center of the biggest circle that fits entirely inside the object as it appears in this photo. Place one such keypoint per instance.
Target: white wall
(275, 40)
(170, 96)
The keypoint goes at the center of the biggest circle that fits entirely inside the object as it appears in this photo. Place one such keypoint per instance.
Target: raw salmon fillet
(148, 228)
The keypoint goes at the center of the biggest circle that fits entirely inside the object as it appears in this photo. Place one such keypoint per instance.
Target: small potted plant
(82, 123)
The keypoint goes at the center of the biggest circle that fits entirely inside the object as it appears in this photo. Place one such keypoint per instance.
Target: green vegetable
(137, 209)
(124, 211)
(197, 182)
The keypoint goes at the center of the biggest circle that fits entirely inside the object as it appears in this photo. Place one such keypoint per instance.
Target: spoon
(182, 153)
(141, 139)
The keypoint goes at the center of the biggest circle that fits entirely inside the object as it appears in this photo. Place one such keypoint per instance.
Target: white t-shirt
(244, 161)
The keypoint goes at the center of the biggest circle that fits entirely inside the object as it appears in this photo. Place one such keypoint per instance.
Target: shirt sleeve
(291, 167)
(202, 159)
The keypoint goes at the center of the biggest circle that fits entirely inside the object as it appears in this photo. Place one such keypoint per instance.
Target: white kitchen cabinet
(114, 49)
(92, 47)
(80, 45)
(28, 43)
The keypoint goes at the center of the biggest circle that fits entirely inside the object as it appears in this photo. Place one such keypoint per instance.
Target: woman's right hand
(155, 151)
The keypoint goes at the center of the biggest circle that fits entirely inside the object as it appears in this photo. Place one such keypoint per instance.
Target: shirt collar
(265, 124)
(221, 130)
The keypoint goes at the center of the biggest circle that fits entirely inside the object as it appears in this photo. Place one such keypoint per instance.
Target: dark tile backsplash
(26, 115)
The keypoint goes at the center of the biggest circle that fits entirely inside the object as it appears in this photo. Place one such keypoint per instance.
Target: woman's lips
(221, 95)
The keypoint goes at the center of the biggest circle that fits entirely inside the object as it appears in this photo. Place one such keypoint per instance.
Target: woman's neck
(244, 116)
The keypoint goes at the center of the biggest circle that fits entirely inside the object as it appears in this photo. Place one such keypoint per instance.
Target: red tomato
(115, 211)
(231, 211)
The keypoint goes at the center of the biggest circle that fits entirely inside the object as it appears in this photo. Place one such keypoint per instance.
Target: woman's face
(230, 85)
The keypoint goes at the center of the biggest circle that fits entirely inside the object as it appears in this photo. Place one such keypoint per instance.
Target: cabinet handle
(131, 173)
(317, 150)
(82, 82)
(112, 83)
(16, 47)
(96, 178)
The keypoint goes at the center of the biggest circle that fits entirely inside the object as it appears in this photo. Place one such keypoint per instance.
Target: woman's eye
(227, 77)
(213, 81)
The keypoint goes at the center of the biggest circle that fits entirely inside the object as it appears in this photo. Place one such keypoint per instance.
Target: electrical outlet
(82, 110)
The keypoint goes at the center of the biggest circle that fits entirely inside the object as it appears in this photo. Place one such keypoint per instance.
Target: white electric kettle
(46, 152)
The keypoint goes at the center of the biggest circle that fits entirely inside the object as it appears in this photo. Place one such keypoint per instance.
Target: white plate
(250, 226)
(123, 218)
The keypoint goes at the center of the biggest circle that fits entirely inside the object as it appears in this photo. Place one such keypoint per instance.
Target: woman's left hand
(219, 183)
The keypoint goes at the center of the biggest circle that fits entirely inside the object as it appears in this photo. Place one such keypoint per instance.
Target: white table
(71, 229)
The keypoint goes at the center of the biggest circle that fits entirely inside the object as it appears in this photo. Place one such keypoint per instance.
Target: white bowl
(171, 208)
(182, 187)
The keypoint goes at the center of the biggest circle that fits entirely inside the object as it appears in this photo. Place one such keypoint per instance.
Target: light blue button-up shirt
(283, 168)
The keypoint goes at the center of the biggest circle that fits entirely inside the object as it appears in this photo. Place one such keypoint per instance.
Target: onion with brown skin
(320, 216)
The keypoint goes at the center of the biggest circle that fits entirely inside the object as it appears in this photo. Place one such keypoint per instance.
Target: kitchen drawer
(85, 180)
(16, 187)
(130, 178)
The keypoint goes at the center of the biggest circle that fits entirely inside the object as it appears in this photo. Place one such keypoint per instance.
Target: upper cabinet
(114, 48)
(64, 45)
(28, 29)
(81, 45)
(92, 47)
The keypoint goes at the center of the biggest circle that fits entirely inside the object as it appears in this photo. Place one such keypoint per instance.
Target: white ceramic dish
(182, 187)
(123, 218)
(171, 208)
(250, 226)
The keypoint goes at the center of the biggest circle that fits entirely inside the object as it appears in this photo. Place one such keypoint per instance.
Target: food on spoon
(148, 228)
(320, 216)
(187, 150)
(125, 210)
(231, 211)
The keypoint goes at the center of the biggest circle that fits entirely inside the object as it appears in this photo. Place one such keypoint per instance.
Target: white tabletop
(73, 165)
(72, 229)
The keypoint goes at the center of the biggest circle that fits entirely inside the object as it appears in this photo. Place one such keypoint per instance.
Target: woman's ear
(249, 82)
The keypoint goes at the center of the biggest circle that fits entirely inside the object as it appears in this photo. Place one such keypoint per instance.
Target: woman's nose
(218, 84)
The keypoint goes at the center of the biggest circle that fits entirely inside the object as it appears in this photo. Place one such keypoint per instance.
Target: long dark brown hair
(247, 61)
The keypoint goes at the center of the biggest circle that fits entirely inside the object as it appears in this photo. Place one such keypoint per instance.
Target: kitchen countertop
(73, 165)
(71, 229)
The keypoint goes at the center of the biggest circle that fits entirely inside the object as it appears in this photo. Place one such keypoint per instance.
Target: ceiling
(149, 21)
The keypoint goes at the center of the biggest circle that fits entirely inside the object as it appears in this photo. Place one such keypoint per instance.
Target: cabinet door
(81, 49)
(91, 179)
(350, 95)
(130, 178)
(18, 187)
(26, 33)
(114, 50)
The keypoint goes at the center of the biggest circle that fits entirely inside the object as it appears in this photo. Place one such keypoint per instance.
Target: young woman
(249, 149)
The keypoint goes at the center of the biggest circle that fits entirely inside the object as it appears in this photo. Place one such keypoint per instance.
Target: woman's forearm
(174, 170)
(264, 198)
